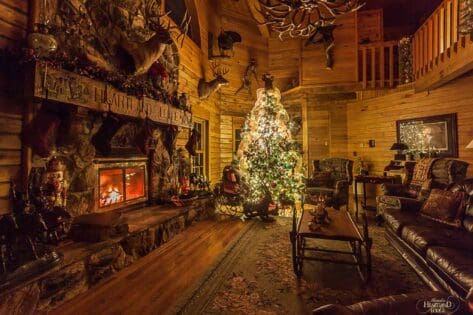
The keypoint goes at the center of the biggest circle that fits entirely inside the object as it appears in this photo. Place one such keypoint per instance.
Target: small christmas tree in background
(270, 162)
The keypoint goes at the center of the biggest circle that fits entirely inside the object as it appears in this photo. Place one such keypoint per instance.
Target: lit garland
(268, 156)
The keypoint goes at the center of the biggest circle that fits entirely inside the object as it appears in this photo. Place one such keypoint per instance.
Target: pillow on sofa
(445, 206)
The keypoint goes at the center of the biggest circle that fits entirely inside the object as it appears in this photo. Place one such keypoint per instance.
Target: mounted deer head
(119, 36)
(206, 89)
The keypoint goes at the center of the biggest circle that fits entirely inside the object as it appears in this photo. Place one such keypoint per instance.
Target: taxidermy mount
(251, 70)
(324, 35)
(226, 40)
(118, 36)
(206, 89)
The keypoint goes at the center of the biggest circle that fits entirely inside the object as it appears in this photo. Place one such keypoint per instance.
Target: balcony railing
(440, 53)
(378, 65)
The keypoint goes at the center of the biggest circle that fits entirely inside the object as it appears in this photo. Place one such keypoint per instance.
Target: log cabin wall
(295, 64)
(375, 119)
(194, 66)
(324, 124)
(236, 16)
(13, 29)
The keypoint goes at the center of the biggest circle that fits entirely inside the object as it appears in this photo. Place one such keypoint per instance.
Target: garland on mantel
(138, 86)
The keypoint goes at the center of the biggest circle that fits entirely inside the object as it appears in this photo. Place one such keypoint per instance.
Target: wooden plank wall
(228, 124)
(284, 58)
(324, 130)
(370, 26)
(236, 16)
(13, 25)
(291, 60)
(376, 119)
(194, 66)
(345, 53)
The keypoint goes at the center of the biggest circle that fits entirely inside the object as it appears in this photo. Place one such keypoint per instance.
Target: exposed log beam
(255, 9)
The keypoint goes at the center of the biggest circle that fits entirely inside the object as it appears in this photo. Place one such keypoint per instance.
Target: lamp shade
(399, 146)
(470, 145)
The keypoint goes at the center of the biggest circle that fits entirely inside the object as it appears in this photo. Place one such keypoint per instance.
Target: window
(237, 140)
(200, 161)
(178, 10)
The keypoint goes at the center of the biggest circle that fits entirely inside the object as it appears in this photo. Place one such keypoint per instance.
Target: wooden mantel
(69, 88)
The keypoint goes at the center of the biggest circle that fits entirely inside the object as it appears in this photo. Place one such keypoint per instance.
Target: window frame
(202, 149)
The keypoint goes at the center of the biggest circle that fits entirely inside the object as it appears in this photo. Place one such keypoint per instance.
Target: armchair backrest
(338, 168)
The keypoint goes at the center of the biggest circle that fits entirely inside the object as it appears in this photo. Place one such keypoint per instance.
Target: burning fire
(110, 197)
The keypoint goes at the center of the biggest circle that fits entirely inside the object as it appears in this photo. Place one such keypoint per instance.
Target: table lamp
(399, 147)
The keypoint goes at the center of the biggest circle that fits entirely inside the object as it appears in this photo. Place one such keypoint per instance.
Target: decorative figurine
(185, 186)
(54, 188)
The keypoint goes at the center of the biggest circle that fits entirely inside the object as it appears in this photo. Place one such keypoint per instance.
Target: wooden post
(442, 33)
(382, 75)
(33, 9)
(448, 24)
(429, 43)
(391, 65)
(364, 68)
(373, 67)
(455, 25)
(29, 105)
(436, 39)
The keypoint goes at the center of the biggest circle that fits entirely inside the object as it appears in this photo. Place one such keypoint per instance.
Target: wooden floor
(155, 283)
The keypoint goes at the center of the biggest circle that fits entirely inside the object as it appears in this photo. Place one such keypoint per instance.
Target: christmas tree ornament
(269, 164)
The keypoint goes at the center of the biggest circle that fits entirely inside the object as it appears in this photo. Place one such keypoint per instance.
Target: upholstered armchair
(331, 178)
(428, 174)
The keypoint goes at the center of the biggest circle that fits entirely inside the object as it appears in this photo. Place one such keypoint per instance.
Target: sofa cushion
(396, 219)
(458, 264)
(430, 233)
(445, 206)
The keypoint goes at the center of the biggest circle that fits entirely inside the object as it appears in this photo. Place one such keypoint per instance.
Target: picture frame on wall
(430, 136)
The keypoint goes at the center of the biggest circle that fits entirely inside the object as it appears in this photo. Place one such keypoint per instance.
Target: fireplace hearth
(120, 183)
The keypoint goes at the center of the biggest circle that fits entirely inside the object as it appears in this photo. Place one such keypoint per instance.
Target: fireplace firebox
(120, 183)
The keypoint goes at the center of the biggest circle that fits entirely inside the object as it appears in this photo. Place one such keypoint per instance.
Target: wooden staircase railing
(378, 65)
(439, 52)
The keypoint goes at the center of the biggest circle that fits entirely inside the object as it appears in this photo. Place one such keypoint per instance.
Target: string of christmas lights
(268, 156)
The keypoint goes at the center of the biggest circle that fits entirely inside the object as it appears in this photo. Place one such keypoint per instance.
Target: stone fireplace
(120, 183)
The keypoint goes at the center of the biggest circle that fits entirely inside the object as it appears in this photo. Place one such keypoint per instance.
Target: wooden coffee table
(341, 228)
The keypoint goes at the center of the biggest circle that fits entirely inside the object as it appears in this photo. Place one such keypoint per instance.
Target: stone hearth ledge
(86, 264)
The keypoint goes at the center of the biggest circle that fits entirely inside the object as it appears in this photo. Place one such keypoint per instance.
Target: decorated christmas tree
(270, 162)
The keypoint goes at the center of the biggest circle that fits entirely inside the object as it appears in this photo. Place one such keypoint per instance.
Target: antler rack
(218, 70)
(302, 18)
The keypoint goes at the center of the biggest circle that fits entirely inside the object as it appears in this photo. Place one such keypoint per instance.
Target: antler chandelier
(302, 18)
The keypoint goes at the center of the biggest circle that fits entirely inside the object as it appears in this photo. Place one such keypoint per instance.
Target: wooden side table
(375, 180)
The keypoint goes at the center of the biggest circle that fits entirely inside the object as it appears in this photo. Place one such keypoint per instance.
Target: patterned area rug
(255, 276)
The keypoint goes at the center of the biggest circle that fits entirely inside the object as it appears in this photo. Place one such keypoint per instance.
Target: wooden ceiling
(401, 17)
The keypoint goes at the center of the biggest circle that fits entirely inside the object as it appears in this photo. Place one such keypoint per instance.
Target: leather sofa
(441, 254)
(331, 178)
(405, 304)
(428, 174)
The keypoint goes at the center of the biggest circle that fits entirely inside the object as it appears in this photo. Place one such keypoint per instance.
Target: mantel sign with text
(70, 88)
